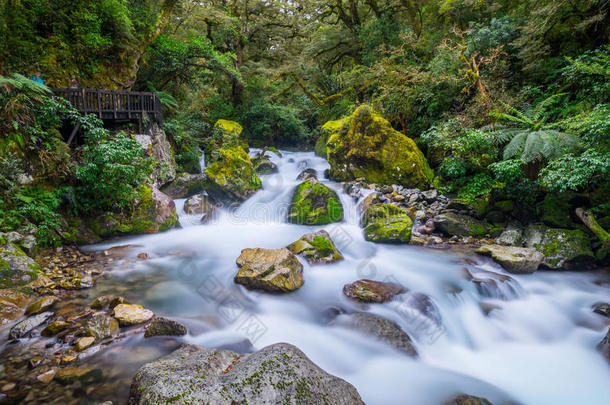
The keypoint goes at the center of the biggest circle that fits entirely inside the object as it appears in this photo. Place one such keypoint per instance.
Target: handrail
(113, 104)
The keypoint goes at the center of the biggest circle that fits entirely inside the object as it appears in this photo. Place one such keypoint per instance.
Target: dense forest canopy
(503, 96)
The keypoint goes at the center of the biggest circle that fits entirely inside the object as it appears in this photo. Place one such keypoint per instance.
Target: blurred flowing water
(536, 346)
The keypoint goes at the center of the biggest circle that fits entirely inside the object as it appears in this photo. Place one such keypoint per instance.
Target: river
(535, 347)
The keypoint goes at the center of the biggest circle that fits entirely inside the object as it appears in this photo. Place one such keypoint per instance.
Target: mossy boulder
(226, 135)
(386, 223)
(153, 212)
(232, 177)
(316, 247)
(276, 374)
(313, 203)
(274, 270)
(185, 185)
(41, 305)
(364, 144)
(451, 223)
(320, 147)
(16, 268)
(264, 165)
(562, 248)
(516, 260)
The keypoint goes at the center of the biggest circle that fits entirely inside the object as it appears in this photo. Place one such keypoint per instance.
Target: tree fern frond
(515, 146)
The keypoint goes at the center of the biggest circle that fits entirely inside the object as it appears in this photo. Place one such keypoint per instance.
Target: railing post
(114, 103)
(99, 104)
(84, 96)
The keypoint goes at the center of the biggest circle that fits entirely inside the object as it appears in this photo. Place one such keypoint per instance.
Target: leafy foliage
(577, 172)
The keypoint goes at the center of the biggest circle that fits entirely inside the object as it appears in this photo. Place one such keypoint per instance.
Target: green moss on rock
(562, 248)
(365, 145)
(232, 177)
(313, 203)
(386, 223)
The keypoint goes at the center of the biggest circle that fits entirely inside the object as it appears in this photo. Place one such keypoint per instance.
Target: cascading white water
(536, 347)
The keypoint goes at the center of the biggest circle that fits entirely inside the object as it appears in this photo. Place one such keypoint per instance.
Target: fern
(542, 145)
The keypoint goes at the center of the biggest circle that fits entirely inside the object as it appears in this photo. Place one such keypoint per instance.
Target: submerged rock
(313, 203)
(200, 204)
(165, 327)
(464, 399)
(364, 144)
(493, 285)
(513, 259)
(604, 346)
(279, 373)
(24, 327)
(128, 314)
(232, 177)
(380, 328)
(562, 248)
(184, 186)
(84, 343)
(101, 326)
(275, 270)
(82, 374)
(452, 224)
(54, 328)
(386, 223)
(41, 305)
(316, 247)
(372, 291)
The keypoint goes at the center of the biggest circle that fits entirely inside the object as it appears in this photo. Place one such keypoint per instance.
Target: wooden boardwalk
(114, 105)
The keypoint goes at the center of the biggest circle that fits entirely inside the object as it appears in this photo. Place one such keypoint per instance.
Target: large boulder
(232, 177)
(380, 328)
(153, 212)
(372, 291)
(313, 203)
(364, 144)
(451, 223)
(185, 185)
(279, 373)
(275, 270)
(386, 223)
(513, 259)
(16, 268)
(317, 247)
(226, 135)
(562, 248)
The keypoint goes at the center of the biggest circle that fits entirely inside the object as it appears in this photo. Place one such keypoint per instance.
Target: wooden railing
(113, 105)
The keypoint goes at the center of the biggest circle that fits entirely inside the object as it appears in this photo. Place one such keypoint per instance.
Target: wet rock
(513, 259)
(602, 308)
(101, 326)
(143, 256)
(84, 342)
(308, 174)
(364, 144)
(386, 223)
(276, 270)
(380, 328)
(452, 224)
(467, 400)
(184, 186)
(116, 301)
(562, 248)
(73, 374)
(165, 327)
(604, 346)
(369, 200)
(128, 314)
(25, 326)
(200, 204)
(272, 375)
(47, 376)
(54, 328)
(162, 152)
(316, 247)
(372, 291)
(430, 195)
(263, 166)
(493, 285)
(313, 203)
